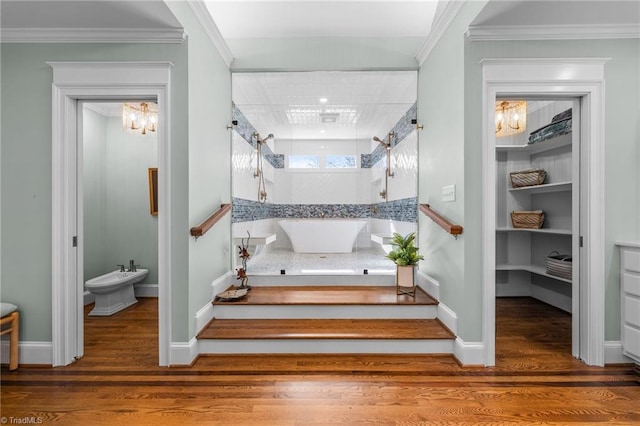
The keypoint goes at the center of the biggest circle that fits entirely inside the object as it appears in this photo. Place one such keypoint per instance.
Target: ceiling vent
(326, 117)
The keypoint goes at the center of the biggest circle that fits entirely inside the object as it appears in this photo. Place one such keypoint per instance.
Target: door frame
(553, 77)
(74, 81)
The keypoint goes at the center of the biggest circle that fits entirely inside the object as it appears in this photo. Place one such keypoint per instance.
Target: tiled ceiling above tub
(325, 105)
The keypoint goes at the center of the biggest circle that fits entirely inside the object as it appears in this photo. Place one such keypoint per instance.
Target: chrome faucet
(121, 268)
(132, 266)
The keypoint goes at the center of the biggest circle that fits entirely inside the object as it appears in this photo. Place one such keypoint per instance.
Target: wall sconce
(511, 117)
(143, 117)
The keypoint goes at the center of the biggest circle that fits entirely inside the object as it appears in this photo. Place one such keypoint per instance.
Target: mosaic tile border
(403, 127)
(404, 210)
(246, 130)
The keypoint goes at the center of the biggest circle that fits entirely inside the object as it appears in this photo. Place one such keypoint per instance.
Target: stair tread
(325, 329)
(329, 295)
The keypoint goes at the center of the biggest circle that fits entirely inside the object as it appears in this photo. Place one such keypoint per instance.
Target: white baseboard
(29, 353)
(203, 316)
(429, 284)
(222, 283)
(183, 353)
(469, 353)
(552, 298)
(448, 317)
(613, 353)
(146, 290)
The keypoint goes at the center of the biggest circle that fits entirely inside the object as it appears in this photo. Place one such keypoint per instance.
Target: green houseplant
(405, 255)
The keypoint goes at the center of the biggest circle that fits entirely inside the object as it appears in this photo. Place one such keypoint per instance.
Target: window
(304, 162)
(341, 162)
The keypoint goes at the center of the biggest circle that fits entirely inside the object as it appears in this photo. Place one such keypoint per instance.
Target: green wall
(444, 161)
(209, 172)
(118, 224)
(26, 170)
(622, 133)
(324, 53)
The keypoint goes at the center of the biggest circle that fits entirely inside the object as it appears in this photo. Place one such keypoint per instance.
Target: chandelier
(142, 117)
(511, 117)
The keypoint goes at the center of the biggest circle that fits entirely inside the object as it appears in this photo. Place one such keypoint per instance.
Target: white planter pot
(406, 280)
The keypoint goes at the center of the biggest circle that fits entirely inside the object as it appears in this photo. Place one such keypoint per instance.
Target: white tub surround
(322, 235)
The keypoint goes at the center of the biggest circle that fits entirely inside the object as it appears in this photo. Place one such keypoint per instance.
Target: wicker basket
(531, 220)
(529, 177)
(560, 265)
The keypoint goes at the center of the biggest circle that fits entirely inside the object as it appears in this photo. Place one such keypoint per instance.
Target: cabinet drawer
(631, 283)
(631, 342)
(632, 311)
(631, 259)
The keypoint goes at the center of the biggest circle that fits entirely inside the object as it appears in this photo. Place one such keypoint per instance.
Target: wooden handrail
(199, 231)
(449, 227)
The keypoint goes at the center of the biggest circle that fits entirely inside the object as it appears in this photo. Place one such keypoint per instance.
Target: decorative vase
(405, 280)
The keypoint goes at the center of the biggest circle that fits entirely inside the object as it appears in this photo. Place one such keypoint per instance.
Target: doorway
(552, 77)
(74, 82)
(117, 226)
(538, 214)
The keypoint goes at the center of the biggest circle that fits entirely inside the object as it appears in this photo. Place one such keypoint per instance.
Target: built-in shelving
(536, 148)
(543, 189)
(521, 252)
(556, 231)
(538, 270)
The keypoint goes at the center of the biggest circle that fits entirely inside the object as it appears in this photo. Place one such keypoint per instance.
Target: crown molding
(440, 25)
(210, 28)
(92, 35)
(551, 32)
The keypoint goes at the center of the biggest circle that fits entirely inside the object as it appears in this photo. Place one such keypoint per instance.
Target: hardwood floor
(536, 381)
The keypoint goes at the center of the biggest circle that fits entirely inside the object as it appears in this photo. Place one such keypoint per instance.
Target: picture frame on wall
(153, 191)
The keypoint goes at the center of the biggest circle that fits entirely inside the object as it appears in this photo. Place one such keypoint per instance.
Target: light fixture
(511, 117)
(142, 117)
(323, 100)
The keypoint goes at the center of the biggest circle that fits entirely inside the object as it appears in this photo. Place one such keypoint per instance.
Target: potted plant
(405, 256)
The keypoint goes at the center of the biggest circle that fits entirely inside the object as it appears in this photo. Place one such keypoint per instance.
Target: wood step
(390, 329)
(329, 295)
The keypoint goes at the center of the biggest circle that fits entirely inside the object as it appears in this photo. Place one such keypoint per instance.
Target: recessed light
(323, 100)
(322, 131)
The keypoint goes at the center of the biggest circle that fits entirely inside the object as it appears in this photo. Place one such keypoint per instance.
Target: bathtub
(322, 235)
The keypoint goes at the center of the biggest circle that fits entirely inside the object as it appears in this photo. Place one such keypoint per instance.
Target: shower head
(270, 136)
(381, 142)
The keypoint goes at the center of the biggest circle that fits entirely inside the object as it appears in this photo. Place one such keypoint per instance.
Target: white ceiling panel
(325, 105)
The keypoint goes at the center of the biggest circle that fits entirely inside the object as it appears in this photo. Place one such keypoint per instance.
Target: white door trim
(73, 81)
(579, 77)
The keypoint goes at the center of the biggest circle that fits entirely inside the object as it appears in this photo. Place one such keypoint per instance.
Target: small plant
(405, 253)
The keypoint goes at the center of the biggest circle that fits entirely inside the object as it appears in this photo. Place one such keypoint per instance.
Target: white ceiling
(308, 18)
(289, 105)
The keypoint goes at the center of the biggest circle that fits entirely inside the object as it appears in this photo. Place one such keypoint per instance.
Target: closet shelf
(543, 189)
(538, 270)
(536, 148)
(557, 231)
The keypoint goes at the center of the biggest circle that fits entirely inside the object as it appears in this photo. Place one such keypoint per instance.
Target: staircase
(326, 319)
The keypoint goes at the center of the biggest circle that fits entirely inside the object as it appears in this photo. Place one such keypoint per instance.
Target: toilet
(114, 291)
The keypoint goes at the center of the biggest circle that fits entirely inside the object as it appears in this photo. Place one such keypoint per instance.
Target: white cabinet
(630, 299)
(521, 253)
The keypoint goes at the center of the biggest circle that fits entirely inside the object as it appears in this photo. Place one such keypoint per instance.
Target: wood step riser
(316, 280)
(326, 346)
(324, 311)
